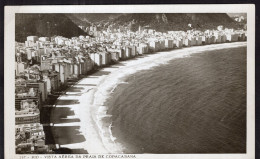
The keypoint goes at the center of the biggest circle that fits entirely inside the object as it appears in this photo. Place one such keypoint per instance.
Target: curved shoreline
(94, 122)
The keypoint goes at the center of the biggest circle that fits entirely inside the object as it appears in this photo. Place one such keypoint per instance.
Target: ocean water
(195, 104)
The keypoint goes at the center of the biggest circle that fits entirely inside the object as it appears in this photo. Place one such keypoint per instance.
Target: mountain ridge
(160, 21)
(27, 24)
(67, 24)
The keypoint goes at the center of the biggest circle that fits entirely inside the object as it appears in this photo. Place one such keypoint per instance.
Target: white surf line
(112, 91)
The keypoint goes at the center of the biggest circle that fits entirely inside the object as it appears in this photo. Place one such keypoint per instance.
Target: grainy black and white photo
(130, 83)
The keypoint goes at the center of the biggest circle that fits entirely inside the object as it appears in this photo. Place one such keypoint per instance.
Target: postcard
(130, 81)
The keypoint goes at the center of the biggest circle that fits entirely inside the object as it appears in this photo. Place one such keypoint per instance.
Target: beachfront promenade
(75, 113)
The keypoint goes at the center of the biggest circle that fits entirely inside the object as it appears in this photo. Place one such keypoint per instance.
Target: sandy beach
(79, 116)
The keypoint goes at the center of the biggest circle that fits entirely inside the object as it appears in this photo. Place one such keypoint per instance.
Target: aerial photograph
(130, 83)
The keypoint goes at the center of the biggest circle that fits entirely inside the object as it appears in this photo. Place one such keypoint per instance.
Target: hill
(45, 25)
(176, 21)
(95, 17)
(75, 18)
(160, 21)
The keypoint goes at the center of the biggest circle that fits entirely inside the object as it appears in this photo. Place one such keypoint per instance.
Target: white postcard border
(9, 59)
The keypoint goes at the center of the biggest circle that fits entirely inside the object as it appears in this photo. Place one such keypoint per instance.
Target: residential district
(46, 66)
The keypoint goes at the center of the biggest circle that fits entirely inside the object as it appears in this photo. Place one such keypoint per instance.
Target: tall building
(45, 63)
(32, 38)
(41, 86)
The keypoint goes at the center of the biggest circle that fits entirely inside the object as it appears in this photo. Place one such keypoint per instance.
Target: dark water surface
(191, 105)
